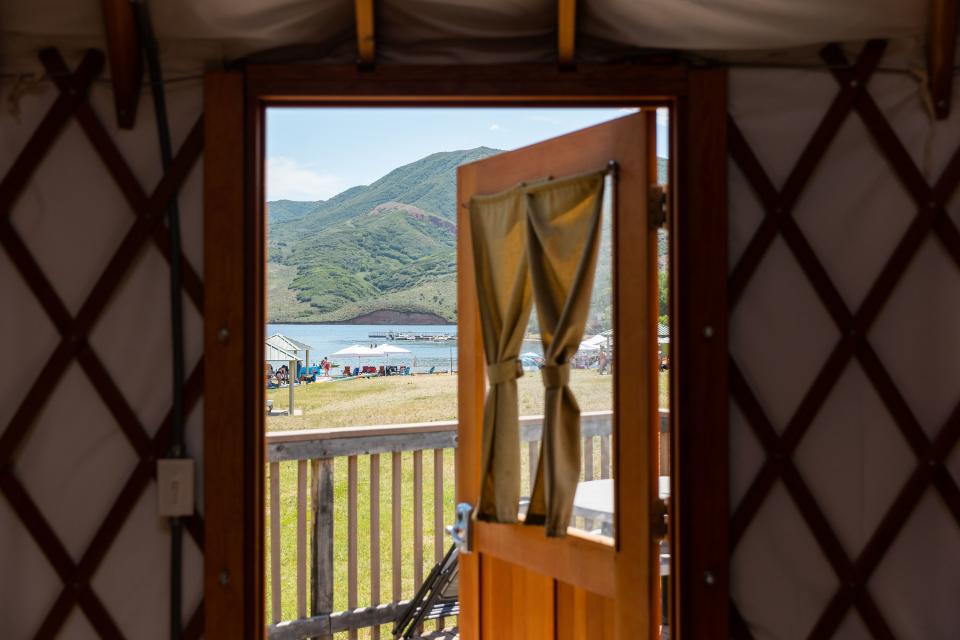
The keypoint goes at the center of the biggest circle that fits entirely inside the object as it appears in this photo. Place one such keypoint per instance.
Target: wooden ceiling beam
(366, 44)
(126, 60)
(566, 31)
(941, 47)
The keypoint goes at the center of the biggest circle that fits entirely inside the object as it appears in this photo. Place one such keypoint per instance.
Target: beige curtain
(543, 236)
(499, 229)
(563, 240)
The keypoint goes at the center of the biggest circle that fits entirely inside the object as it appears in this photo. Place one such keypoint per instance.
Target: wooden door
(517, 583)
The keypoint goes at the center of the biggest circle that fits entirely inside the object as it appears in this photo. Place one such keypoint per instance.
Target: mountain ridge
(389, 245)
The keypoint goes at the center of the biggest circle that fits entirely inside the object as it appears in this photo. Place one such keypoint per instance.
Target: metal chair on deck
(438, 597)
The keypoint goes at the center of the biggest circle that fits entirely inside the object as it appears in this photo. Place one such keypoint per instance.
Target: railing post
(321, 569)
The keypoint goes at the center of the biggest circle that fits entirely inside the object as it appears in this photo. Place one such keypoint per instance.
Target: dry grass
(420, 398)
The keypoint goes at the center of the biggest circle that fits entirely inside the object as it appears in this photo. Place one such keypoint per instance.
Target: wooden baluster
(533, 452)
(438, 549)
(605, 470)
(301, 538)
(588, 458)
(664, 445)
(352, 538)
(587, 473)
(321, 574)
(417, 519)
(275, 605)
(375, 537)
(395, 526)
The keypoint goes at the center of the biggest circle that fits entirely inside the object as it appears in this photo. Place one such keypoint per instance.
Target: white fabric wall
(75, 459)
(854, 459)
(195, 34)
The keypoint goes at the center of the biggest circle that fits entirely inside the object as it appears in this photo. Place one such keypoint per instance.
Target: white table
(594, 500)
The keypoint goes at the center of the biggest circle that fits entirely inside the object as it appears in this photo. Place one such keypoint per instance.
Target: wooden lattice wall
(845, 349)
(84, 274)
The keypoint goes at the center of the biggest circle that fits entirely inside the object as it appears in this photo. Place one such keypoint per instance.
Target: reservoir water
(325, 339)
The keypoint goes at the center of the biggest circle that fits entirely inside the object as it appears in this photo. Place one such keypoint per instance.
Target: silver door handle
(460, 529)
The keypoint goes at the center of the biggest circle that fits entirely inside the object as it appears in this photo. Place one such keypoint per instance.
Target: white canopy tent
(358, 351)
(392, 349)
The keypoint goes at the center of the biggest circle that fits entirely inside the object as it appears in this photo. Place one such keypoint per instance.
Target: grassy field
(421, 398)
(390, 400)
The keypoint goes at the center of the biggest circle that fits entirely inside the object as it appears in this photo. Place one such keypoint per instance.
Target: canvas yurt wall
(843, 329)
(844, 264)
(86, 387)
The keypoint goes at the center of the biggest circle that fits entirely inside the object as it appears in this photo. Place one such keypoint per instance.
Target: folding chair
(437, 597)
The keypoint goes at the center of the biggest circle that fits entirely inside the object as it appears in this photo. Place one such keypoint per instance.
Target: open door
(600, 581)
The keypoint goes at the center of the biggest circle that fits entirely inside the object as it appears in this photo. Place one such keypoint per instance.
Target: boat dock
(412, 336)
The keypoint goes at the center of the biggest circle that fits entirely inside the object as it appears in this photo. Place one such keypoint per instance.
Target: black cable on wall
(177, 445)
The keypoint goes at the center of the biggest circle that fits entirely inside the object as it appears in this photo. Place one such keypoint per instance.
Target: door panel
(517, 583)
(518, 603)
(582, 615)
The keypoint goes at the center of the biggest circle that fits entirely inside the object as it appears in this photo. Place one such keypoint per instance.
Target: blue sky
(315, 153)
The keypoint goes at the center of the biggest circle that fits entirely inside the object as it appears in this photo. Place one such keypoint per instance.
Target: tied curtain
(535, 241)
(499, 230)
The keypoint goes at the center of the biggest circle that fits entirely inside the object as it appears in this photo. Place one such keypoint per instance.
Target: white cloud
(494, 127)
(287, 179)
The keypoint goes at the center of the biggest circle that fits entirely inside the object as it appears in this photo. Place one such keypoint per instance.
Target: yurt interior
(682, 371)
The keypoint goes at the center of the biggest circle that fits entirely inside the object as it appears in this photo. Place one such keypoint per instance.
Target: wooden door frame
(234, 240)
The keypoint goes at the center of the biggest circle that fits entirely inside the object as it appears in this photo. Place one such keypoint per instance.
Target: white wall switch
(175, 487)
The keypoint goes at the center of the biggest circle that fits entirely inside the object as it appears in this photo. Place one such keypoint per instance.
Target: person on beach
(326, 367)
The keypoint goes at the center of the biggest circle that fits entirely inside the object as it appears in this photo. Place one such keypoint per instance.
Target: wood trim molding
(234, 253)
(468, 85)
(233, 571)
(699, 396)
(580, 559)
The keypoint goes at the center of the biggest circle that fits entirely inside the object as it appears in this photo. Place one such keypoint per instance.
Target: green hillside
(385, 246)
(389, 245)
(283, 210)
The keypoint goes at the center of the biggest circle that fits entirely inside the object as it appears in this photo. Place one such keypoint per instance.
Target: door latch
(659, 520)
(460, 529)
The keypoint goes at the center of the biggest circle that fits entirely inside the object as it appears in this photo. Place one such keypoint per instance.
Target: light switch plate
(175, 487)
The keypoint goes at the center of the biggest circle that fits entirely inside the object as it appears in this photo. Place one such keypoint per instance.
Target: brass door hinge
(659, 520)
(657, 205)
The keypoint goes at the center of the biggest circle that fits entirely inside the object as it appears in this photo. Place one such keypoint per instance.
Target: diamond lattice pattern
(100, 447)
(843, 371)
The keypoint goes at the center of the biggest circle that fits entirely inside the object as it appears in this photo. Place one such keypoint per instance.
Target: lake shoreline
(362, 320)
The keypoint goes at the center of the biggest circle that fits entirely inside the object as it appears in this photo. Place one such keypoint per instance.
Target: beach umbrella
(586, 346)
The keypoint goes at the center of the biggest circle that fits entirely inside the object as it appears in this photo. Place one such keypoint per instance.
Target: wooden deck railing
(402, 447)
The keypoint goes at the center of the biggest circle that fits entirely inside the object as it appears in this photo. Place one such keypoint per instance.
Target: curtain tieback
(555, 376)
(504, 371)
